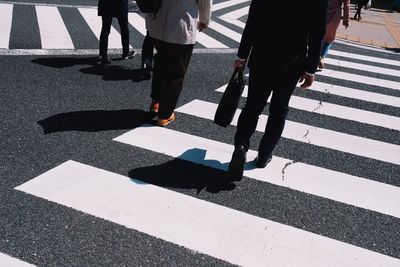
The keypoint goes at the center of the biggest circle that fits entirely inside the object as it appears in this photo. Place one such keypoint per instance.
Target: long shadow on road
(189, 171)
(95, 120)
(94, 67)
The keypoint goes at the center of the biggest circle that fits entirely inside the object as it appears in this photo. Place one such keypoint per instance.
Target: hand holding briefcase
(230, 99)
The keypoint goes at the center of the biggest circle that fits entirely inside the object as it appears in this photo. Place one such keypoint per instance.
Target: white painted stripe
(309, 134)
(338, 111)
(238, 13)
(24, 52)
(225, 31)
(333, 185)
(234, 22)
(356, 94)
(208, 41)
(360, 79)
(347, 113)
(365, 58)
(198, 225)
(137, 22)
(366, 47)
(6, 12)
(53, 33)
(364, 67)
(94, 22)
(8, 261)
(226, 4)
(233, 17)
(45, 4)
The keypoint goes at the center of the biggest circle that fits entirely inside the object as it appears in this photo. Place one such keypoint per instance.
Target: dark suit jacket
(274, 43)
(113, 8)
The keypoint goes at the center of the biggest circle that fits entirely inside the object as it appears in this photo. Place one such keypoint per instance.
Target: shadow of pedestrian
(94, 120)
(65, 62)
(188, 171)
(114, 73)
(108, 72)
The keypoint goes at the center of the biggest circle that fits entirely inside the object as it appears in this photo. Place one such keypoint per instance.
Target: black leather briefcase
(230, 99)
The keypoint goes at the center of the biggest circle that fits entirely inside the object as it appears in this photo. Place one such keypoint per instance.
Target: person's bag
(148, 6)
(230, 99)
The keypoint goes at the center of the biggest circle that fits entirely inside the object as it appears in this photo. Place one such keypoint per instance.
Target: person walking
(109, 9)
(174, 32)
(359, 6)
(278, 58)
(334, 17)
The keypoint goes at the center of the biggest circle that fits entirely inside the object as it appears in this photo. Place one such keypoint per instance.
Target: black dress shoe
(236, 166)
(262, 162)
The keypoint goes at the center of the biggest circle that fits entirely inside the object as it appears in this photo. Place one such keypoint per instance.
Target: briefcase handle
(239, 73)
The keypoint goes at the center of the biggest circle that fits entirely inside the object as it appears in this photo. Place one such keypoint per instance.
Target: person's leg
(355, 8)
(123, 25)
(158, 71)
(256, 100)
(357, 15)
(105, 31)
(147, 56)
(324, 52)
(170, 65)
(278, 110)
(175, 63)
(325, 49)
(157, 79)
(147, 51)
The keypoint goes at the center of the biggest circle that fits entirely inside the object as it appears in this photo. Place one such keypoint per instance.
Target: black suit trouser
(261, 85)
(170, 65)
(105, 31)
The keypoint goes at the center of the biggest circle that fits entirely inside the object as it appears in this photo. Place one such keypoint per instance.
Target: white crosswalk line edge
(360, 146)
(218, 231)
(315, 180)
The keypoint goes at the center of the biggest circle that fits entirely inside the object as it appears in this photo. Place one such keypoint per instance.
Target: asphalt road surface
(87, 180)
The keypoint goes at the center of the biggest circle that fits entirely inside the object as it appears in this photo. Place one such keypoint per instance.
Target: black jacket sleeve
(249, 32)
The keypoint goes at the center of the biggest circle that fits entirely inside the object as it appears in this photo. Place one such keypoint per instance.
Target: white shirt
(177, 20)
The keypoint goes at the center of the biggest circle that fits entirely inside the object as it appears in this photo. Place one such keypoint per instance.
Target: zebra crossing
(244, 225)
(55, 27)
(215, 230)
(238, 236)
